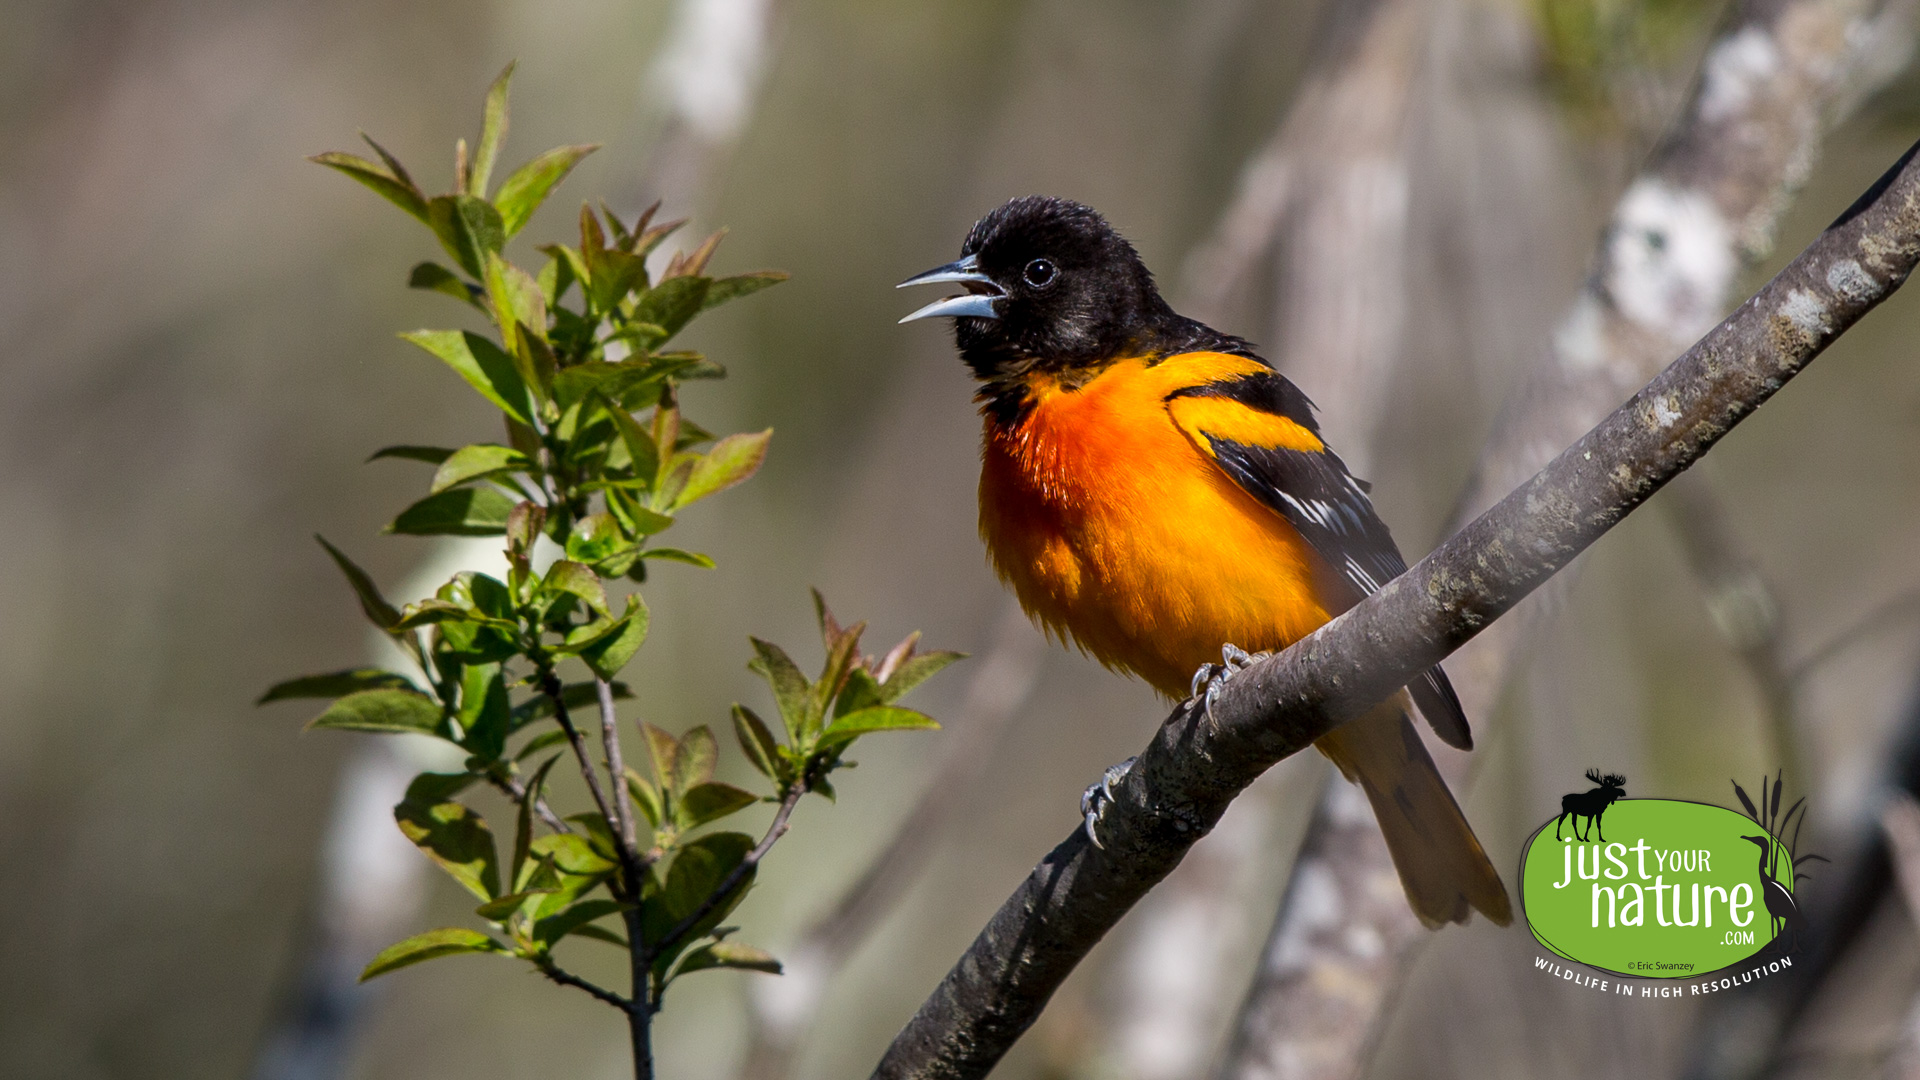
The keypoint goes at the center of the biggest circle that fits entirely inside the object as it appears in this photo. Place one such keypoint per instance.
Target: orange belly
(1117, 529)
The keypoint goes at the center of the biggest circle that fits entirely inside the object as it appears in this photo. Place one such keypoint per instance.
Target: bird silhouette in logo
(1590, 805)
(1776, 894)
(1779, 899)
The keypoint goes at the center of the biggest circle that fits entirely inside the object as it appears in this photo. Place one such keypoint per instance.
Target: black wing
(1330, 508)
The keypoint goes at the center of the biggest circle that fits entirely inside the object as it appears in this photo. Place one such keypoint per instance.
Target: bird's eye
(1040, 273)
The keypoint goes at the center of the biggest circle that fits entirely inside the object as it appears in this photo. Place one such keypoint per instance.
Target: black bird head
(1050, 285)
(1766, 844)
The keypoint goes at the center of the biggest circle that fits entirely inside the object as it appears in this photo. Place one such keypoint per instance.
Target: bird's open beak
(976, 302)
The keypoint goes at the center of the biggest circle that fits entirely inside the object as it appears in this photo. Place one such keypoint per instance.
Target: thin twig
(567, 978)
(737, 876)
(617, 770)
(1201, 759)
(550, 686)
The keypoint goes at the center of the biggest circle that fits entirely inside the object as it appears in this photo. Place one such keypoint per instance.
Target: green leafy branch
(597, 460)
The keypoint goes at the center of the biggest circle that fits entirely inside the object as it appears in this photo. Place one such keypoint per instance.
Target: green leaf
(691, 558)
(594, 537)
(646, 796)
(538, 353)
(468, 227)
(571, 921)
(336, 684)
(430, 612)
(860, 691)
(482, 363)
(843, 653)
(731, 460)
(572, 854)
(396, 189)
(432, 455)
(372, 604)
(791, 691)
(611, 272)
(693, 760)
(383, 711)
(640, 443)
(696, 873)
(433, 277)
(502, 909)
(515, 297)
(610, 653)
(878, 718)
(523, 829)
(484, 711)
(470, 463)
(614, 380)
(574, 579)
(739, 285)
(493, 132)
(457, 839)
(525, 522)
(757, 743)
(431, 945)
(673, 303)
(434, 787)
(709, 802)
(698, 870)
(648, 239)
(915, 670)
(478, 511)
(728, 954)
(523, 192)
(599, 833)
(640, 336)
(663, 748)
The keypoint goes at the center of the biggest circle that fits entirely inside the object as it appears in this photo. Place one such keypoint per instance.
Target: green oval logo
(1655, 888)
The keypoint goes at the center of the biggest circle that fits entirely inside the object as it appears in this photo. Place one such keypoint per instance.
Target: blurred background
(200, 354)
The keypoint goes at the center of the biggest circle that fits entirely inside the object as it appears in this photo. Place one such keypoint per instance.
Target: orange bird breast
(1104, 509)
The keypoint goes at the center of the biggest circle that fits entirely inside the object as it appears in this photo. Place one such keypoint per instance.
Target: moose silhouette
(1591, 804)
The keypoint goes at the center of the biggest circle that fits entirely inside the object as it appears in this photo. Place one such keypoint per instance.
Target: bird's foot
(1093, 802)
(1211, 678)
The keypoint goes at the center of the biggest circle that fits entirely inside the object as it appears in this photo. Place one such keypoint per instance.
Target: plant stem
(639, 1008)
(550, 685)
(640, 1013)
(628, 829)
(639, 956)
(567, 978)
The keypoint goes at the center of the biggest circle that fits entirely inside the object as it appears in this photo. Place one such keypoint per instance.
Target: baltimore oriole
(1155, 490)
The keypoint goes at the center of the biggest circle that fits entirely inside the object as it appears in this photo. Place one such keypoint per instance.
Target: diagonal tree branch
(1199, 761)
(1703, 208)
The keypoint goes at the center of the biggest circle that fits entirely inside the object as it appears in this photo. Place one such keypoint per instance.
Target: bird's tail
(1441, 863)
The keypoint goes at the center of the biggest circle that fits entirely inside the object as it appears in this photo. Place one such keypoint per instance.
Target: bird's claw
(1211, 678)
(1093, 801)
